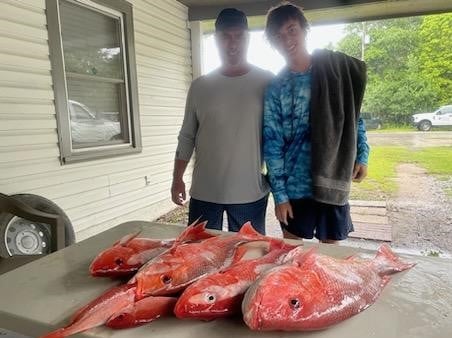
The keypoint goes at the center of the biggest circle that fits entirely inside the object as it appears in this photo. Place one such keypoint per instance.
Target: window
(94, 77)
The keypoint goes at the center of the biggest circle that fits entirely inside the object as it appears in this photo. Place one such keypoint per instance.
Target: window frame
(67, 153)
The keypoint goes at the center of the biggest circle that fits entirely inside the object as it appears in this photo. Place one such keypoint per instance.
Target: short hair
(231, 18)
(279, 15)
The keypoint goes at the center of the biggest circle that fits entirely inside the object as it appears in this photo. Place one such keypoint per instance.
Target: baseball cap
(231, 17)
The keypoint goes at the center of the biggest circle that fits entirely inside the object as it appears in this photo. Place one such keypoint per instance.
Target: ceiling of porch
(322, 11)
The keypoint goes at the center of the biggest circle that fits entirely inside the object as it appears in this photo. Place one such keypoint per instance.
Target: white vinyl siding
(97, 194)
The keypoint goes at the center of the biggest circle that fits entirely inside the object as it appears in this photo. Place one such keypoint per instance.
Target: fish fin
(60, 333)
(127, 238)
(275, 244)
(248, 231)
(279, 244)
(385, 280)
(193, 231)
(298, 256)
(387, 262)
(145, 256)
(142, 312)
(78, 313)
(239, 253)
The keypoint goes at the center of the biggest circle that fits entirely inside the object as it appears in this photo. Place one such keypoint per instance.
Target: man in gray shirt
(223, 125)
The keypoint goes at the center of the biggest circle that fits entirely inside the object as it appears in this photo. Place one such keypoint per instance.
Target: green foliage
(409, 64)
(380, 183)
(351, 43)
(94, 62)
(435, 54)
(437, 160)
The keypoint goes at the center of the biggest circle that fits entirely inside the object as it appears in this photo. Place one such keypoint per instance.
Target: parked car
(439, 118)
(87, 127)
(371, 121)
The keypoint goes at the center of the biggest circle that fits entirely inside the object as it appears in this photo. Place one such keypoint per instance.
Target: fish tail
(387, 262)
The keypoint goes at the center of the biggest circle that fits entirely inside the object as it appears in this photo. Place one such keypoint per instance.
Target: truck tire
(424, 125)
(19, 236)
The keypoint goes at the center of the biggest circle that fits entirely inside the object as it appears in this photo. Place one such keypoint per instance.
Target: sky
(261, 54)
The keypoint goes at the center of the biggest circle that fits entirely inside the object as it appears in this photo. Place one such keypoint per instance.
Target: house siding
(97, 194)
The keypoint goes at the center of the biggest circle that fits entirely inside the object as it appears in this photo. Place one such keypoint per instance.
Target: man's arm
(273, 140)
(185, 147)
(178, 194)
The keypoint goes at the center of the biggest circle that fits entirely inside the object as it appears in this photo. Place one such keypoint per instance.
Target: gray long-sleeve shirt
(223, 124)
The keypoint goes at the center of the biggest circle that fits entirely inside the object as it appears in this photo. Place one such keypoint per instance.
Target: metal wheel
(22, 237)
(19, 236)
(425, 125)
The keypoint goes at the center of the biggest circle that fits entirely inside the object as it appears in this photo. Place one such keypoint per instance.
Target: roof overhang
(322, 11)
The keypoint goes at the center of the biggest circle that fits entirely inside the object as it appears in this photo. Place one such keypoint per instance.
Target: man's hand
(178, 195)
(283, 211)
(359, 172)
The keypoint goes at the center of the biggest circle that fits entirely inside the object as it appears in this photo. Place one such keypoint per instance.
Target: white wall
(98, 194)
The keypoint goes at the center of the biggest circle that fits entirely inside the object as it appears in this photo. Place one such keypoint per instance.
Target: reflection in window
(93, 49)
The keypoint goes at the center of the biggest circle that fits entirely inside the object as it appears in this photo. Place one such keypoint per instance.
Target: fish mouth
(113, 272)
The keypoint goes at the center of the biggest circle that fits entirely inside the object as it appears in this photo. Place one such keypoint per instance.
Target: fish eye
(294, 303)
(166, 279)
(119, 261)
(210, 298)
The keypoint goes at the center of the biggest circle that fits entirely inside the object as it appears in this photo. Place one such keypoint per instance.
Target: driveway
(411, 139)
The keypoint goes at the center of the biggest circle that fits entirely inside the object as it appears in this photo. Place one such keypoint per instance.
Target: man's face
(232, 45)
(290, 40)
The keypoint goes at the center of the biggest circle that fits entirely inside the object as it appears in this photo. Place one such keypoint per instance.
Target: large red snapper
(182, 265)
(128, 254)
(315, 291)
(220, 294)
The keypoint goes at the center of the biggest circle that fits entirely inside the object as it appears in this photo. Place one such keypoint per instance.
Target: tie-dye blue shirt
(287, 136)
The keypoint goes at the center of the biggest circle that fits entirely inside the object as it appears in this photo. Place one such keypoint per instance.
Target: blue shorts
(237, 214)
(324, 221)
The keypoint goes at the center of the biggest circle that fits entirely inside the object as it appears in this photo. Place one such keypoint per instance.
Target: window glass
(95, 81)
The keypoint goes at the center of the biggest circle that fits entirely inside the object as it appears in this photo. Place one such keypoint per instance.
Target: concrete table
(43, 294)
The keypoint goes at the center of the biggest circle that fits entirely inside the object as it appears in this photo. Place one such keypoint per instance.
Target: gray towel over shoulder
(338, 84)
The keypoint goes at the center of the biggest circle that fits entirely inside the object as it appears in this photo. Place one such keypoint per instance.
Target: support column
(196, 33)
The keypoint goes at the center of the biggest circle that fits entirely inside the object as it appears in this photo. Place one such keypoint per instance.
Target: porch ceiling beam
(324, 11)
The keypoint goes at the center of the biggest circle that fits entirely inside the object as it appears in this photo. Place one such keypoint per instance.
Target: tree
(351, 43)
(435, 54)
(397, 86)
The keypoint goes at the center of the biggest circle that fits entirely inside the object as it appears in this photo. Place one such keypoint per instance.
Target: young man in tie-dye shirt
(287, 136)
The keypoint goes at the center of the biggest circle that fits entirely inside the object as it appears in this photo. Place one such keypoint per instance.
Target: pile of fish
(203, 276)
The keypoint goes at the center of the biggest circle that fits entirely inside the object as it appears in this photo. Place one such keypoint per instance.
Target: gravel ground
(421, 215)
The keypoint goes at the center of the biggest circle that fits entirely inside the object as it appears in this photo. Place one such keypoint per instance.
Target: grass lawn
(380, 183)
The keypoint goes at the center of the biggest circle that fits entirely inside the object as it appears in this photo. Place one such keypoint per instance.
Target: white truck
(439, 118)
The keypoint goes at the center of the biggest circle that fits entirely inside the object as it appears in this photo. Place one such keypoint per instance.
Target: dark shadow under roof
(334, 10)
